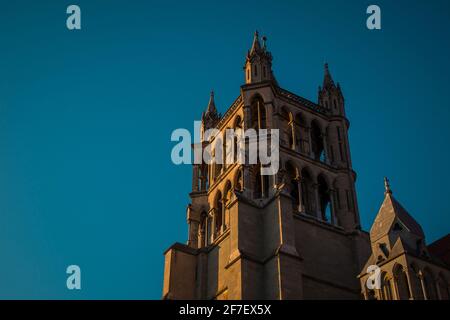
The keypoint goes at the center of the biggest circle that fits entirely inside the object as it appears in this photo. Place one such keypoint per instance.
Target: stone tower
(292, 235)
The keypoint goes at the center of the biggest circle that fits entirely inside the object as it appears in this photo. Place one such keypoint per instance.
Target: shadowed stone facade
(295, 234)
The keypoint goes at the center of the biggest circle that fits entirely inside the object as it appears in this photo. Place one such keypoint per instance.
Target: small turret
(330, 94)
(258, 64)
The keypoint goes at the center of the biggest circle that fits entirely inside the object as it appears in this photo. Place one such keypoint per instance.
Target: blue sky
(86, 117)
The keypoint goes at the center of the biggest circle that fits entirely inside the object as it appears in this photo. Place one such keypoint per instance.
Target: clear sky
(86, 118)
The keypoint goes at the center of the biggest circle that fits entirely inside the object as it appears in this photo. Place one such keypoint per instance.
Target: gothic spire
(210, 117)
(258, 64)
(330, 95)
(256, 46)
(327, 79)
(387, 186)
(211, 109)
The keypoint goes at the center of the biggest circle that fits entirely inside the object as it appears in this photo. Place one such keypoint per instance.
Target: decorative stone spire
(211, 109)
(387, 186)
(210, 117)
(330, 95)
(258, 64)
(328, 82)
(256, 46)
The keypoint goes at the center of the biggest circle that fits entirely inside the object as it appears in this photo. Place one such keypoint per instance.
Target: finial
(327, 79)
(387, 186)
(256, 33)
(264, 39)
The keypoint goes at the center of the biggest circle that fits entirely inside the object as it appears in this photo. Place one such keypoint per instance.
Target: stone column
(395, 287)
(294, 142)
(213, 225)
(224, 209)
(300, 198)
(422, 285)
(333, 207)
(408, 282)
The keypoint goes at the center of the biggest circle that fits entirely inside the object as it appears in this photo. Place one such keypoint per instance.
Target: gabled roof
(392, 211)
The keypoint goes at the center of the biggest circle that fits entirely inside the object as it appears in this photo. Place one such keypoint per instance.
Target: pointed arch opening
(317, 144)
(401, 281)
(386, 287)
(324, 198)
(308, 194)
(260, 183)
(203, 229)
(258, 117)
(239, 180)
(218, 213)
(302, 134)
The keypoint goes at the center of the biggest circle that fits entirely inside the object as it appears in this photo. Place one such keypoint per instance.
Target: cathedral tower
(292, 235)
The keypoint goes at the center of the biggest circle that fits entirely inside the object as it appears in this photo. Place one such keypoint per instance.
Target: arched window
(302, 134)
(430, 285)
(209, 228)
(226, 152)
(237, 133)
(324, 199)
(218, 157)
(260, 182)
(258, 114)
(239, 181)
(342, 152)
(308, 195)
(330, 151)
(226, 200)
(401, 281)
(387, 288)
(204, 184)
(317, 142)
(218, 206)
(202, 229)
